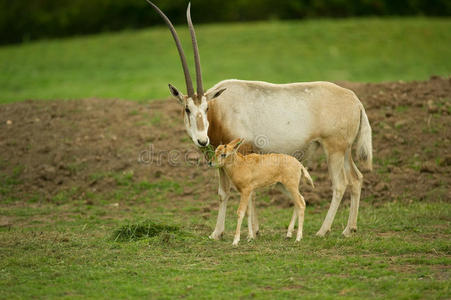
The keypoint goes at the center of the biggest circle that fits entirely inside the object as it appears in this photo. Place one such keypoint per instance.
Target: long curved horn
(189, 83)
(200, 90)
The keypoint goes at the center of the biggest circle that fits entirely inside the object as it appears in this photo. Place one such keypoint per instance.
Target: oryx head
(195, 105)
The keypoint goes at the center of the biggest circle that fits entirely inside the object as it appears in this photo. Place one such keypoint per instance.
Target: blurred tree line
(22, 20)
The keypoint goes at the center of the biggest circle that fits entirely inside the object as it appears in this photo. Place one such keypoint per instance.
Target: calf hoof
(349, 231)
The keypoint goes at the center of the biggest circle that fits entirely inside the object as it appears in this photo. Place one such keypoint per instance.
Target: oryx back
(285, 117)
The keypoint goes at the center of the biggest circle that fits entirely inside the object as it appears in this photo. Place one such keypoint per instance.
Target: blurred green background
(24, 19)
(137, 64)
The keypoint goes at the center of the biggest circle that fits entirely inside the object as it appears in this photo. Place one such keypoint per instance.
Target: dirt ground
(51, 146)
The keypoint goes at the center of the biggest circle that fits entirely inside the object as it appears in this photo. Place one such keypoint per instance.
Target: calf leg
(299, 209)
(241, 211)
(292, 223)
(293, 217)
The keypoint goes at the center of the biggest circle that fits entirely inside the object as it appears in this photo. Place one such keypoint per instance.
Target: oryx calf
(252, 171)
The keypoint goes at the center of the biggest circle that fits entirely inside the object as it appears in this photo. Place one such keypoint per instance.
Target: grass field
(68, 250)
(139, 64)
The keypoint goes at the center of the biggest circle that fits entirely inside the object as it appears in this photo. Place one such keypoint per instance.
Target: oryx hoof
(349, 231)
(215, 235)
(322, 233)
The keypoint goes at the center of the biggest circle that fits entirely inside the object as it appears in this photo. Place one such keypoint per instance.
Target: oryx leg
(255, 224)
(224, 194)
(355, 181)
(251, 218)
(339, 182)
(306, 156)
(293, 217)
(245, 195)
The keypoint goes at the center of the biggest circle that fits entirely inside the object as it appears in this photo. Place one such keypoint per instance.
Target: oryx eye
(187, 110)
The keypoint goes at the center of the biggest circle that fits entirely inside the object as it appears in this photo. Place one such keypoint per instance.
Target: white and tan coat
(282, 118)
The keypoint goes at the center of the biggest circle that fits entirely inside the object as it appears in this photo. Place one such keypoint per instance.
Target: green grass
(402, 251)
(145, 229)
(138, 65)
(149, 239)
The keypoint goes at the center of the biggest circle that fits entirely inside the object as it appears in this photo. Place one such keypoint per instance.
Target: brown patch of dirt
(438, 272)
(49, 147)
(6, 221)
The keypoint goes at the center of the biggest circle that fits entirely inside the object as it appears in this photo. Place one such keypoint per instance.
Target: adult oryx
(284, 118)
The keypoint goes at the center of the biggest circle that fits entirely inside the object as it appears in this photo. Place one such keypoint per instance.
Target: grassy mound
(145, 229)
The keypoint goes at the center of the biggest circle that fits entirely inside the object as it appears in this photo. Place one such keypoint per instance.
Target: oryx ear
(174, 92)
(214, 94)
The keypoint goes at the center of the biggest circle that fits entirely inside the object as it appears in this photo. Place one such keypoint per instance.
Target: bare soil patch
(75, 146)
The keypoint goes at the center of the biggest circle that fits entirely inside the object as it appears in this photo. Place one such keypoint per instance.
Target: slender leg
(338, 177)
(292, 223)
(255, 223)
(241, 211)
(293, 218)
(356, 179)
(299, 208)
(250, 217)
(224, 193)
(301, 211)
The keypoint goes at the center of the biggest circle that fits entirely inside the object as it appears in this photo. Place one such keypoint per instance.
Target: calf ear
(235, 142)
(239, 144)
(214, 94)
(174, 92)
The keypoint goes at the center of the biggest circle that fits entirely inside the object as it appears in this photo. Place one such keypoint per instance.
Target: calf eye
(187, 110)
